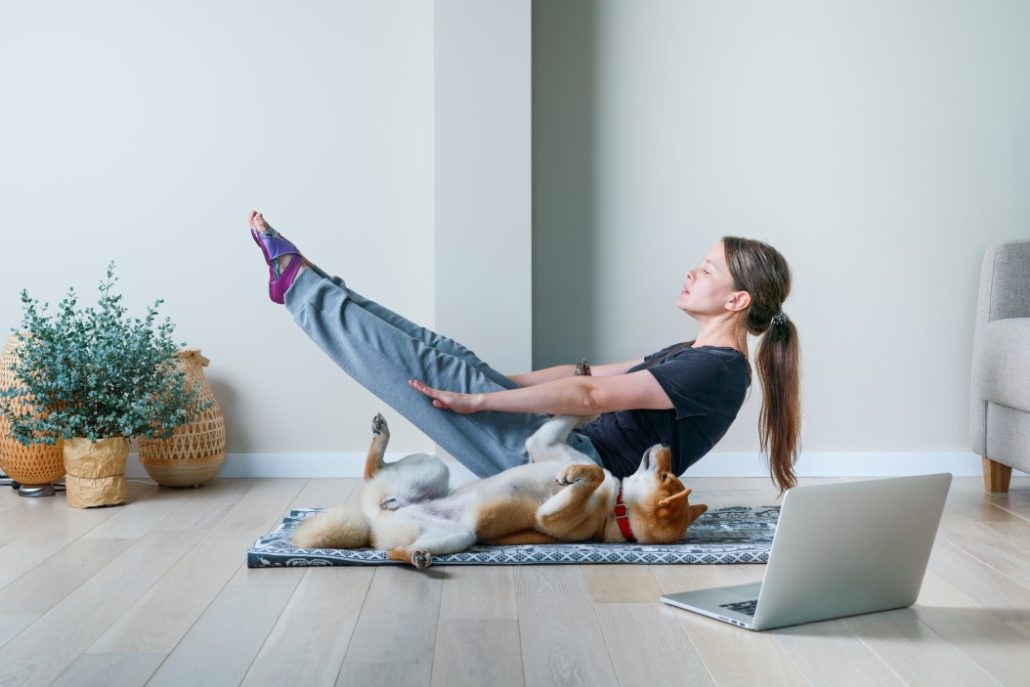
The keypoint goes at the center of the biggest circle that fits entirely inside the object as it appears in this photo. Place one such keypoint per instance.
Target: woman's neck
(728, 339)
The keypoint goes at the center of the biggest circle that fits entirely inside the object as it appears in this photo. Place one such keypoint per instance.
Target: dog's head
(658, 503)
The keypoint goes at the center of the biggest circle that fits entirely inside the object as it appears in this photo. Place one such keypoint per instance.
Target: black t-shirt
(706, 385)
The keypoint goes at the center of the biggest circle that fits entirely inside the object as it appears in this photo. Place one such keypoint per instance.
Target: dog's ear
(670, 500)
(695, 512)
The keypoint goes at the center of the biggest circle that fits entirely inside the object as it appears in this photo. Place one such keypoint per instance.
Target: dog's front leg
(564, 514)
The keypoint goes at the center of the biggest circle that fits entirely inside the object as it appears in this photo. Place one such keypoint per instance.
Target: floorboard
(157, 592)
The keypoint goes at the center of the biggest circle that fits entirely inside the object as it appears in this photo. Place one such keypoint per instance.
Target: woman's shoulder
(731, 359)
(698, 356)
(720, 352)
(724, 358)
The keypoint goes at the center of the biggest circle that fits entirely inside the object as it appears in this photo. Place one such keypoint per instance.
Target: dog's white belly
(448, 508)
(402, 527)
(532, 483)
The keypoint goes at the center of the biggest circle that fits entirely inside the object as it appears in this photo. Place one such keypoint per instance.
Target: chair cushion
(1005, 363)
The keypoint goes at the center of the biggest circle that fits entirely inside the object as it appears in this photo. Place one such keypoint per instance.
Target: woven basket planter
(196, 450)
(35, 464)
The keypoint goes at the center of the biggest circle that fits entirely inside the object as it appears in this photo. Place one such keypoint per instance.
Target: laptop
(838, 550)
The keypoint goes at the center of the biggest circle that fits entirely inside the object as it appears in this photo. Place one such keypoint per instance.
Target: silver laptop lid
(849, 548)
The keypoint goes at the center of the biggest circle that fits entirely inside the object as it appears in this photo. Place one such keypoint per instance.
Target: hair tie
(779, 318)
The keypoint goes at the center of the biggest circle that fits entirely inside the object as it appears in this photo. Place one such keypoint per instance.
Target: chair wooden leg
(996, 476)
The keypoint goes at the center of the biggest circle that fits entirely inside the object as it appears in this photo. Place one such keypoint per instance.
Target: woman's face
(709, 286)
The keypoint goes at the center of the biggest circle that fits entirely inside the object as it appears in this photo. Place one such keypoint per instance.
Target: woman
(685, 395)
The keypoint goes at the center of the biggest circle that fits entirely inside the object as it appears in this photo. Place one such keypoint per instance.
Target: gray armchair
(999, 425)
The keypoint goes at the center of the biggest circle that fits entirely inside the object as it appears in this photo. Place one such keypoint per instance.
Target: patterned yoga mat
(734, 534)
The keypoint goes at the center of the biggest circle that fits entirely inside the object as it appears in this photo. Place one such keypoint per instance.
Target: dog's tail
(339, 527)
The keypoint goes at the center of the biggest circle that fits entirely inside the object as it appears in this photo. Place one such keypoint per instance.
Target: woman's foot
(284, 259)
(257, 222)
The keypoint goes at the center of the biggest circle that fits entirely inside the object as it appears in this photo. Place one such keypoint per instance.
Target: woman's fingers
(450, 400)
(434, 394)
(419, 386)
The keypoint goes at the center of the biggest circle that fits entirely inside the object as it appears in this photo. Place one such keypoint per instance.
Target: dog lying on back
(561, 495)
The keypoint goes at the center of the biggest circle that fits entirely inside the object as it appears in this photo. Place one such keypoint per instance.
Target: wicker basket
(35, 464)
(196, 450)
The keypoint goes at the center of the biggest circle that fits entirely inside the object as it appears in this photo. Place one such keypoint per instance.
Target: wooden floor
(157, 592)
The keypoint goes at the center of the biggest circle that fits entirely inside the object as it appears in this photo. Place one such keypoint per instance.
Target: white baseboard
(843, 465)
(311, 465)
(304, 465)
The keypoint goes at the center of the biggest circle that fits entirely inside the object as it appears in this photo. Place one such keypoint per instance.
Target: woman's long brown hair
(759, 269)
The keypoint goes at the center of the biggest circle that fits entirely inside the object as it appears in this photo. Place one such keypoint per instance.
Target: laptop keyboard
(745, 607)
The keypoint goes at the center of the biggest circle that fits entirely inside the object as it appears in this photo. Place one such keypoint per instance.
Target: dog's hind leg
(420, 558)
(552, 435)
(550, 442)
(435, 540)
(426, 477)
(376, 451)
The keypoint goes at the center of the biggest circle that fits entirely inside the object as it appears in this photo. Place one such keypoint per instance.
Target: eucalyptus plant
(96, 374)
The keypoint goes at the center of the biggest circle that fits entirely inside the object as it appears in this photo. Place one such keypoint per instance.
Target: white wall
(144, 132)
(880, 146)
(483, 196)
(483, 148)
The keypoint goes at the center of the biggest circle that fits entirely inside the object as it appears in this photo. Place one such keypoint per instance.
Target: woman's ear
(738, 301)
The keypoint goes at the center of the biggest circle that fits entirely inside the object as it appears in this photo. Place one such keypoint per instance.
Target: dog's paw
(421, 559)
(567, 476)
(582, 367)
(379, 427)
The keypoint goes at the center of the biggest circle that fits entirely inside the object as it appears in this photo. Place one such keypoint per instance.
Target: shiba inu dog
(408, 508)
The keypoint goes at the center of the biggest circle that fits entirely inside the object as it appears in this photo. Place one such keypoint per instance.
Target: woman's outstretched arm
(574, 395)
(549, 374)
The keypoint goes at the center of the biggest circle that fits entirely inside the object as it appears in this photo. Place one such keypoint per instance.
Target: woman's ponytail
(759, 269)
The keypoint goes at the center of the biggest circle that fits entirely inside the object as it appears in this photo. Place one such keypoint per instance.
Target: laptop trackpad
(712, 598)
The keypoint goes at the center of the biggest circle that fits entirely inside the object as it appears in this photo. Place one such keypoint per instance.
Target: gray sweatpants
(382, 350)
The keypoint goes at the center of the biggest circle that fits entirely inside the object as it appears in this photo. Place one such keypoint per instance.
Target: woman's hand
(450, 400)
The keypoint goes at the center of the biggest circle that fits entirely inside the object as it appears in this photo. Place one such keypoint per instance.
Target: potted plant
(33, 468)
(96, 379)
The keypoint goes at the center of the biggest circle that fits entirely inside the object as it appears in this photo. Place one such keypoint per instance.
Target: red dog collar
(622, 517)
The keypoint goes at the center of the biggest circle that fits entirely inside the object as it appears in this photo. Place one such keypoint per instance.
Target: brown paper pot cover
(96, 471)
